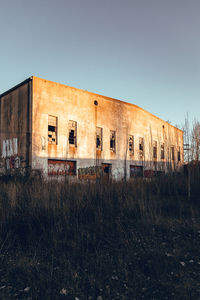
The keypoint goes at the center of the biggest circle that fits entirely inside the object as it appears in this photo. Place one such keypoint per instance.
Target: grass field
(115, 240)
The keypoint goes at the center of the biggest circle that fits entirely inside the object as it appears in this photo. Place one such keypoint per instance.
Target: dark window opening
(106, 168)
(99, 144)
(155, 149)
(112, 141)
(179, 154)
(73, 133)
(71, 137)
(172, 149)
(52, 128)
(162, 152)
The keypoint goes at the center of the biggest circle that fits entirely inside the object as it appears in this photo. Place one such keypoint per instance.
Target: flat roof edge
(95, 94)
(16, 86)
(109, 98)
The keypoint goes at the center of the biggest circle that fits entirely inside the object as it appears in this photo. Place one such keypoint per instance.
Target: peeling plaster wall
(67, 103)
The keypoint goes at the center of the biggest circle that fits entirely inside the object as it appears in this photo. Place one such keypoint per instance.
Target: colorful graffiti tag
(92, 172)
(61, 167)
(10, 159)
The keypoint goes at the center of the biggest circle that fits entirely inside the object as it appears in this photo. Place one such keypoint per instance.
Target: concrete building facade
(65, 131)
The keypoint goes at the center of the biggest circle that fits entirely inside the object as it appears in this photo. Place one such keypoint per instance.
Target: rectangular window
(99, 140)
(162, 151)
(112, 140)
(73, 133)
(136, 171)
(155, 149)
(131, 144)
(52, 130)
(179, 154)
(172, 152)
(141, 146)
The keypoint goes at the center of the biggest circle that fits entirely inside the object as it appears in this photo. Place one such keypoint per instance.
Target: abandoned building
(61, 130)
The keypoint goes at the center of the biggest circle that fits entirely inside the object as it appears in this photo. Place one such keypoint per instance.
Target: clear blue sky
(146, 52)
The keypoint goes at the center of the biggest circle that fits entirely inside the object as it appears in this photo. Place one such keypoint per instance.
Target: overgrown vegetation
(123, 240)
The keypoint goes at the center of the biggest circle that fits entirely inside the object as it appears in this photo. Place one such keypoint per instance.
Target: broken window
(73, 133)
(172, 152)
(52, 130)
(141, 146)
(131, 144)
(179, 154)
(112, 141)
(162, 151)
(99, 134)
(155, 149)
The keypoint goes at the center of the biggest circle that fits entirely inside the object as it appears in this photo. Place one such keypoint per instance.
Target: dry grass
(124, 240)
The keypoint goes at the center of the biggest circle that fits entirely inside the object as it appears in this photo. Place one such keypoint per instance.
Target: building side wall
(14, 129)
(66, 103)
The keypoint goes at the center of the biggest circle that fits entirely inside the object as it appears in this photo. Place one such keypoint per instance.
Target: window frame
(131, 144)
(100, 146)
(113, 140)
(179, 154)
(52, 123)
(155, 149)
(162, 151)
(141, 146)
(172, 153)
(72, 124)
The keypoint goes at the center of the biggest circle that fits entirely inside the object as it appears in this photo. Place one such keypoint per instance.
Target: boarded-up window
(131, 144)
(179, 154)
(155, 149)
(73, 133)
(99, 138)
(136, 171)
(172, 152)
(61, 167)
(112, 140)
(52, 130)
(141, 146)
(162, 151)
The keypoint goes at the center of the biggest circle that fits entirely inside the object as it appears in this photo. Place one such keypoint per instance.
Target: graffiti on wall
(61, 167)
(92, 172)
(12, 162)
(9, 148)
(10, 158)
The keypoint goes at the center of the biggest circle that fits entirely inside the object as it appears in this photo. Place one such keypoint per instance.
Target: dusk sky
(146, 52)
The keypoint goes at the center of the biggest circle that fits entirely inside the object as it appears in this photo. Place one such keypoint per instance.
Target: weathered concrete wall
(67, 103)
(15, 123)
